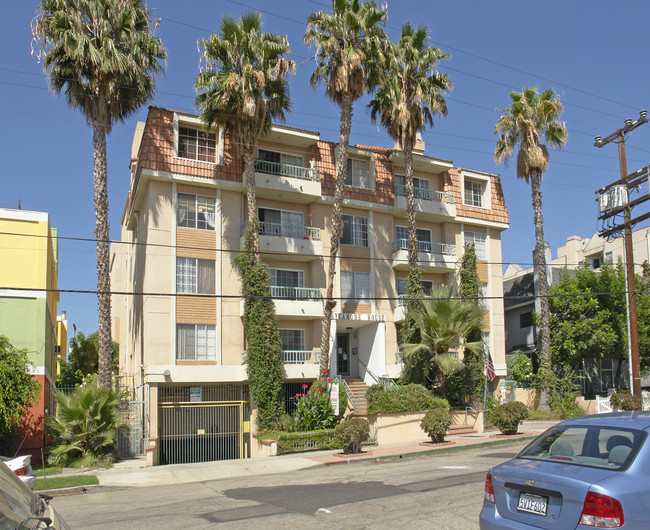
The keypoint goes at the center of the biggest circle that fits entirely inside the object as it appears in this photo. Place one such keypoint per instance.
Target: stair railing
(468, 409)
(352, 398)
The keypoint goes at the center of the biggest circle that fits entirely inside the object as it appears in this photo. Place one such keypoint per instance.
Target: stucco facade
(184, 214)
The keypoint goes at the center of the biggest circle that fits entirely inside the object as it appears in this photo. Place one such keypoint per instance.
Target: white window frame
(484, 181)
(282, 154)
(301, 276)
(480, 247)
(197, 198)
(401, 286)
(202, 352)
(357, 234)
(194, 274)
(416, 185)
(301, 333)
(193, 122)
(356, 296)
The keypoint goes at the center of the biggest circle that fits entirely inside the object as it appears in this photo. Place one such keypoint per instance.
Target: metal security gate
(203, 428)
(134, 404)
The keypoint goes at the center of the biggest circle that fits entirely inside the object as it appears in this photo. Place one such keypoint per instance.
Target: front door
(343, 354)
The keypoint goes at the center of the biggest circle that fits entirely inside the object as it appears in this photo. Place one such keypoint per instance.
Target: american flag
(489, 367)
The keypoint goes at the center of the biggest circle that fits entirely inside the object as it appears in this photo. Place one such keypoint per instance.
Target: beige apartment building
(178, 317)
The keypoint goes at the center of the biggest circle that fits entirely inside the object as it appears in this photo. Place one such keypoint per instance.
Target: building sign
(334, 398)
(195, 394)
(359, 316)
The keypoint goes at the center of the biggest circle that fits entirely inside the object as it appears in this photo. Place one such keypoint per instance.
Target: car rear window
(591, 446)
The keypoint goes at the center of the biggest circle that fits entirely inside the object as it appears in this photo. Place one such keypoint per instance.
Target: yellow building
(28, 302)
(183, 223)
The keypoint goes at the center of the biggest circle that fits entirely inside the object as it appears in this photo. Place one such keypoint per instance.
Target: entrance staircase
(358, 398)
(461, 430)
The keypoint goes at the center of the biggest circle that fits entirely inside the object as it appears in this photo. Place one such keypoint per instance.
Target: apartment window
(292, 339)
(420, 187)
(197, 145)
(287, 278)
(196, 342)
(355, 286)
(276, 163)
(195, 275)
(427, 286)
(358, 175)
(281, 223)
(595, 262)
(195, 211)
(474, 191)
(485, 301)
(479, 241)
(422, 235)
(526, 319)
(609, 256)
(355, 231)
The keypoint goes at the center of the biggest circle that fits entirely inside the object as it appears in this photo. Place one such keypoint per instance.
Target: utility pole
(633, 331)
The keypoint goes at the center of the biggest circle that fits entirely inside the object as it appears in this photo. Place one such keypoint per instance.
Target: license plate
(531, 503)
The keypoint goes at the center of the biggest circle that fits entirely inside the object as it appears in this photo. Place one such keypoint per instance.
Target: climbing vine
(263, 346)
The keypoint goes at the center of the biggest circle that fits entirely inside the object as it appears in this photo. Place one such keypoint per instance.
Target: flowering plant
(314, 406)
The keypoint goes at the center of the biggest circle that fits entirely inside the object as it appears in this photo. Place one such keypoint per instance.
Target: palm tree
(103, 55)
(444, 322)
(242, 87)
(347, 42)
(410, 93)
(530, 117)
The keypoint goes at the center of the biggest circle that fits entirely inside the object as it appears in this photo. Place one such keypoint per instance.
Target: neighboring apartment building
(28, 305)
(181, 334)
(519, 288)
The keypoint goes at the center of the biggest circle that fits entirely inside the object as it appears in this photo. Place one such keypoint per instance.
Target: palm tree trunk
(410, 205)
(251, 198)
(335, 235)
(542, 282)
(102, 236)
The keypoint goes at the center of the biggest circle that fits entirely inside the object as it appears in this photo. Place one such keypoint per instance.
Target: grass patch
(65, 482)
(544, 415)
(47, 471)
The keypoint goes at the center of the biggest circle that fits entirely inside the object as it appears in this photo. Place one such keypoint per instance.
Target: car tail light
(21, 471)
(489, 489)
(601, 511)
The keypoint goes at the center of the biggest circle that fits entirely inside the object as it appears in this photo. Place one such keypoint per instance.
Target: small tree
(83, 430)
(19, 389)
(435, 423)
(83, 359)
(351, 433)
(509, 416)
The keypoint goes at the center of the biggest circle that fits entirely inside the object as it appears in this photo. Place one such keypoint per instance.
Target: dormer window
(476, 190)
(358, 175)
(197, 145)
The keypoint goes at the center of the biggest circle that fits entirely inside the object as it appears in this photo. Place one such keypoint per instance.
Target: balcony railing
(286, 170)
(426, 194)
(282, 230)
(427, 246)
(293, 356)
(295, 293)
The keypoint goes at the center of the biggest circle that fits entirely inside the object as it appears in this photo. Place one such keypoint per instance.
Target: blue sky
(594, 53)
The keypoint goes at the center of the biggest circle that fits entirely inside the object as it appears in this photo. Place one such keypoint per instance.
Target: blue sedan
(587, 472)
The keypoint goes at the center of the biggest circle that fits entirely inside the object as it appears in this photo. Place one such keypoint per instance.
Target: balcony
(286, 182)
(297, 303)
(399, 310)
(297, 364)
(301, 243)
(430, 205)
(434, 257)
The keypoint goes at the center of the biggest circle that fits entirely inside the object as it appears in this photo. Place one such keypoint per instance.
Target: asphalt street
(442, 491)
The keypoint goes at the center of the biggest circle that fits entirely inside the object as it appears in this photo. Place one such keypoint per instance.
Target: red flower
(305, 386)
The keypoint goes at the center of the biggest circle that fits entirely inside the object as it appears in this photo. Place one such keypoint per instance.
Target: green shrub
(406, 398)
(508, 416)
(83, 431)
(351, 433)
(314, 411)
(307, 441)
(625, 401)
(435, 423)
(544, 415)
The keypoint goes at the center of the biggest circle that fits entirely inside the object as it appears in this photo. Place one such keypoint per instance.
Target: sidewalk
(133, 473)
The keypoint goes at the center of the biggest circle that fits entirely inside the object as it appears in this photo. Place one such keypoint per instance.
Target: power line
(268, 254)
